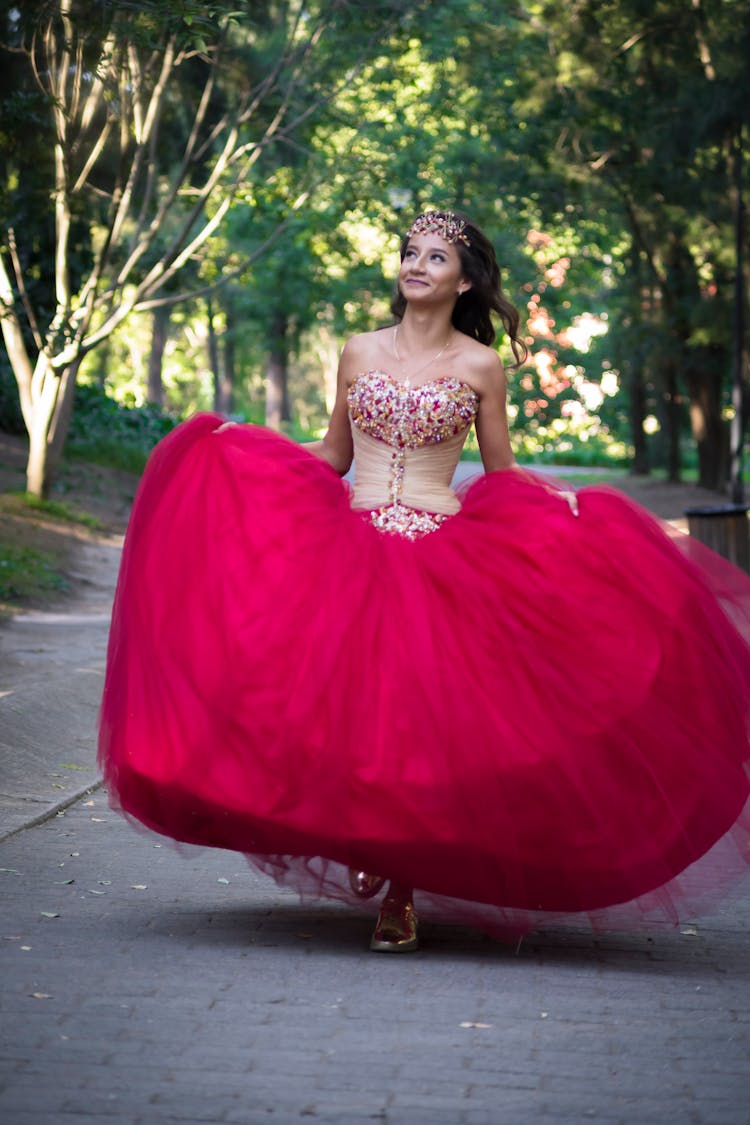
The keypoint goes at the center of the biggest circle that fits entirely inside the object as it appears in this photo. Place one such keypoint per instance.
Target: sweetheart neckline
(427, 383)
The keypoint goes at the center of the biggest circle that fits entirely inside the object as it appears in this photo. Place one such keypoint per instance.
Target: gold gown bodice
(407, 443)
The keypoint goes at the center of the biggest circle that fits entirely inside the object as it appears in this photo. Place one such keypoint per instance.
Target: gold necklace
(408, 379)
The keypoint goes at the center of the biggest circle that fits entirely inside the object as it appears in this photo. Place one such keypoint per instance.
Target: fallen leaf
(97, 892)
(139, 886)
(104, 882)
(689, 931)
(42, 995)
(10, 871)
(471, 1023)
(224, 881)
(56, 785)
(25, 948)
(72, 766)
(544, 1015)
(48, 914)
(89, 804)
(64, 882)
(98, 820)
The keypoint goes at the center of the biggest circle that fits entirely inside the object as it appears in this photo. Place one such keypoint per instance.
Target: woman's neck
(422, 331)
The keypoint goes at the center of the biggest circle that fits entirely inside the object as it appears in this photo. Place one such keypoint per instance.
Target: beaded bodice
(407, 442)
(411, 417)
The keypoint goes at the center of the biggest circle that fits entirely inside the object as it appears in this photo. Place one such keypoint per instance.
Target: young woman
(517, 704)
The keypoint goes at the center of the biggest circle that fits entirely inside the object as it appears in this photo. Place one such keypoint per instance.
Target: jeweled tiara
(443, 223)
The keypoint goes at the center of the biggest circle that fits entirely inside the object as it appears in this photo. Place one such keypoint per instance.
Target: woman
(522, 714)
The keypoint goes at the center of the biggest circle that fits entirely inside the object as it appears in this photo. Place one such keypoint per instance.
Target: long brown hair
(472, 313)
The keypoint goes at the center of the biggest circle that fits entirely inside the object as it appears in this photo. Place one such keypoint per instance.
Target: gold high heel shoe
(396, 929)
(364, 885)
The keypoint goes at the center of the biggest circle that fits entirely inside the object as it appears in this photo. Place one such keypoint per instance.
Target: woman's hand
(571, 498)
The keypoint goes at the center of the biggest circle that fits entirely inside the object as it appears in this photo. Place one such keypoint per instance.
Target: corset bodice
(407, 440)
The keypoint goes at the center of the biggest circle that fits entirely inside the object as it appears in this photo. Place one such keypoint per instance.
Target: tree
(156, 118)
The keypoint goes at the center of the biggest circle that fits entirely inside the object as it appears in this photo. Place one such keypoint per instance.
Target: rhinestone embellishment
(409, 523)
(411, 417)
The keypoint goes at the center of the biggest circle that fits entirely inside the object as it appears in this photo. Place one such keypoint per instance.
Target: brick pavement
(144, 985)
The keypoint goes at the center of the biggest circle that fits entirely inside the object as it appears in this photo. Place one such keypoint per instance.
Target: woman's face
(431, 271)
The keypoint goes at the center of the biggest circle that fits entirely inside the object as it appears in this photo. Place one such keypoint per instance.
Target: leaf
(689, 931)
(48, 914)
(10, 870)
(64, 882)
(72, 766)
(139, 886)
(471, 1023)
(224, 881)
(42, 996)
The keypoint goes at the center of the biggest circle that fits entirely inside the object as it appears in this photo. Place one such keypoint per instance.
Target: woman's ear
(463, 286)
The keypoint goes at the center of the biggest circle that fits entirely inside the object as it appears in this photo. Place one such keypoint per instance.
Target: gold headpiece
(443, 223)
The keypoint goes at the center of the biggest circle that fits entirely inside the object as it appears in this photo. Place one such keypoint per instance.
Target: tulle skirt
(526, 716)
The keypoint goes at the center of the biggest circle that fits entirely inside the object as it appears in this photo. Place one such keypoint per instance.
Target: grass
(112, 455)
(56, 509)
(27, 574)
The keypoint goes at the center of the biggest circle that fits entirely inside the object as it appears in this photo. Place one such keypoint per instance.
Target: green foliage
(26, 573)
(11, 419)
(592, 141)
(58, 509)
(109, 433)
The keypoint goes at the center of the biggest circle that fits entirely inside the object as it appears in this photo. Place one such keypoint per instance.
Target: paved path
(51, 676)
(144, 985)
(141, 985)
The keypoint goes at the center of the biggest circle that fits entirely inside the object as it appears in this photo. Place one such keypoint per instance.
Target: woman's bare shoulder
(363, 350)
(483, 366)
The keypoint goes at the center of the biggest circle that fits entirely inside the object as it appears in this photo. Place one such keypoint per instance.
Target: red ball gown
(528, 716)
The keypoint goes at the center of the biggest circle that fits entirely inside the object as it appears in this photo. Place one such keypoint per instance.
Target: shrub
(108, 433)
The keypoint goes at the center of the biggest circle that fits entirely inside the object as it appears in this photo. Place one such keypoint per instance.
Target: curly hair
(472, 313)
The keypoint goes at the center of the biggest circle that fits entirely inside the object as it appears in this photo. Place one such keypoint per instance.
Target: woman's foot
(364, 885)
(396, 929)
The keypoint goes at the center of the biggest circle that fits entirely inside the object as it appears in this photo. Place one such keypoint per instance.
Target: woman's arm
(336, 447)
(492, 417)
(492, 429)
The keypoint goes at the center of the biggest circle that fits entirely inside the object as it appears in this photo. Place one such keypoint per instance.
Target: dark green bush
(109, 433)
(11, 419)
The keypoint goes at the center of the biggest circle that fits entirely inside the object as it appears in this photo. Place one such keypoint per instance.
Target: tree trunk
(277, 373)
(48, 421)
(639, 466)
(740, 394)
(704, 383)
(634, 369)
(159, 337)
(213, 354)
(227, 368)
(671, 419)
